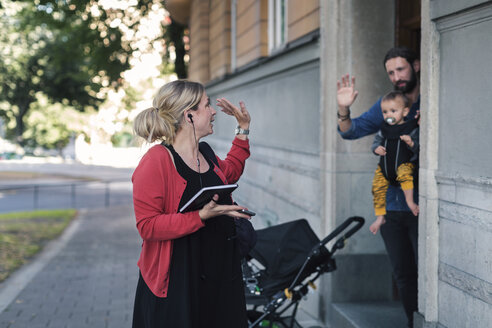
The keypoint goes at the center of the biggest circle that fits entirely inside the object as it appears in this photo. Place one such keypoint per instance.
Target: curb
(13, 285)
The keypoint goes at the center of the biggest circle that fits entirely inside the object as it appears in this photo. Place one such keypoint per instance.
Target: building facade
(283, 58)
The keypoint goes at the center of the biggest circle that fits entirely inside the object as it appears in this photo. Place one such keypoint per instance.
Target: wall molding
(469, 17)
(465, 282)
(312, 208)
(469, 216)
(456, 178)
(287, 166)
(285, 63)
(281, 159)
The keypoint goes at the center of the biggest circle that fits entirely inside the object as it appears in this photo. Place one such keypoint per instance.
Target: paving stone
(89, 283)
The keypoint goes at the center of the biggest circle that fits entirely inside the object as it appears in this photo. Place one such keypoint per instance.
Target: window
(277, 24)
(233, 34)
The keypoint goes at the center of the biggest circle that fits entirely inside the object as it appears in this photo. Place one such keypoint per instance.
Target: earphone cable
(197, 154)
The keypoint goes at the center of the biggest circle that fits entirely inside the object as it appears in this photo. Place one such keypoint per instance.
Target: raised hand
(241, 114)
(346, 93)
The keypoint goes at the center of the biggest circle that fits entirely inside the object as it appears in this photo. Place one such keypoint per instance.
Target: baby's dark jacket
(397, 151)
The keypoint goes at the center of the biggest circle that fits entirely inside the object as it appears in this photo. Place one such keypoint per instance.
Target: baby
(397, 144)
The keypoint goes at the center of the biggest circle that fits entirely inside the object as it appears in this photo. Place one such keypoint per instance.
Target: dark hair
(392, 95)
(403, 52)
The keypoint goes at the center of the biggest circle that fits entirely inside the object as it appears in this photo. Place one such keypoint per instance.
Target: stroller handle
(340, 242)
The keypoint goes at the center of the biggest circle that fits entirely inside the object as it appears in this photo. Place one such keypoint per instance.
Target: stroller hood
(283, 248)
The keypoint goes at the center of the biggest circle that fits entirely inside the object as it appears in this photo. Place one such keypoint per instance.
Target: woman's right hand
(212, 209)
(241, 114)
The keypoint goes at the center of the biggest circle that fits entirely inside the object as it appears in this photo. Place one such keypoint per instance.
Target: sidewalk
(86, 278)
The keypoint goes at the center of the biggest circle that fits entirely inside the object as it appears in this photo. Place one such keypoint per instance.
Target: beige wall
(210, 33)
(199, 41)
(220, 38)
(251, 34)
(302, 18)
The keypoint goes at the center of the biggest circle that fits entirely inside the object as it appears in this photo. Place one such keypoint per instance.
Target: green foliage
(71, 51)
(123, 139)
(84, 50)
(17, 57)
(132, 96)
(51, 125)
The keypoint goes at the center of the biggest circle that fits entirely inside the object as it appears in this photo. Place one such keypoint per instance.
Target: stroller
(284, 263)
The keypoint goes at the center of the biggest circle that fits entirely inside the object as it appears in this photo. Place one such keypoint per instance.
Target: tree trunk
(19, 120)
(176, 32)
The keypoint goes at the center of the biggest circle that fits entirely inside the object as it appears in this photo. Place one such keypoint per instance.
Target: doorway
(408, 19)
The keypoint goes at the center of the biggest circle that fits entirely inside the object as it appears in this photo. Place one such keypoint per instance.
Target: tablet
(205, 195)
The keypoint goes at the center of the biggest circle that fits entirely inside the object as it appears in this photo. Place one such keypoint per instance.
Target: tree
(71, 51)
(51, 125)
(175, 36)
(18, 53)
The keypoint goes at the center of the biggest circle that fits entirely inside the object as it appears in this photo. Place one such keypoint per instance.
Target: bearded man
(399, 232)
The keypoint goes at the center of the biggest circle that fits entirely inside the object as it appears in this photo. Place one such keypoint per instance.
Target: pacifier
(390, 120)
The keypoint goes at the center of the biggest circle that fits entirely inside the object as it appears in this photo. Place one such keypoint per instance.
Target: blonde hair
(163, 119)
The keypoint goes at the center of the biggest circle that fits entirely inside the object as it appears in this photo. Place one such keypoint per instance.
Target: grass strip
(23, 234)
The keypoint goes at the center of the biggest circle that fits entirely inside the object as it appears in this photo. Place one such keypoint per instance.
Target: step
(368, 315)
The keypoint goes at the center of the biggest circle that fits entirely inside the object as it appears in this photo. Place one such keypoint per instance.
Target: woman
(190, 273)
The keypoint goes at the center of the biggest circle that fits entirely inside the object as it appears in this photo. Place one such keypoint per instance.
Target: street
(64, 186)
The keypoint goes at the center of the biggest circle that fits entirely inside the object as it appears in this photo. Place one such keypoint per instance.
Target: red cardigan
(157, 191)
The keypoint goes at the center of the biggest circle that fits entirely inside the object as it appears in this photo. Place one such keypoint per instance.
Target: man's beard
(409, 85)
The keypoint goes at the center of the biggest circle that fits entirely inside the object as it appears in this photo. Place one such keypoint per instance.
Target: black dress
(205, 284)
